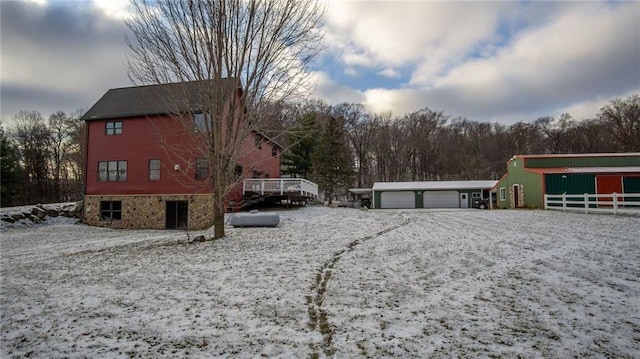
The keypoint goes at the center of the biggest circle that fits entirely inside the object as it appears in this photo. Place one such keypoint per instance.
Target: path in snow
(318, 318)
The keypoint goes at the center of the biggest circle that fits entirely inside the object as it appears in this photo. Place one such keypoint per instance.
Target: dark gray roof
(171, 98)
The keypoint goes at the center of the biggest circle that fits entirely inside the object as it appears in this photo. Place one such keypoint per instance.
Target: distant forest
(339, 147)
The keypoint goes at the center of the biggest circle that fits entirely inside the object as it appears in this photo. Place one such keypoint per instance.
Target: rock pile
(39, 212)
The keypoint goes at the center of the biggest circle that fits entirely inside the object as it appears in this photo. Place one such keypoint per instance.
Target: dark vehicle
(481, 203)
(365, 203)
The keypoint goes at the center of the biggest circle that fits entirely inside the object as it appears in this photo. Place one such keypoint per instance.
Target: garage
(427, 194)
(399, 199)
(441, 199)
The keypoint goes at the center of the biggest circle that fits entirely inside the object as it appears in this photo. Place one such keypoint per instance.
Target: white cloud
(351, 71)
(62, 57)
(333, 92)
(388, 34)
(117, 9)
(487, 61)
(567, 58)
(390, 73)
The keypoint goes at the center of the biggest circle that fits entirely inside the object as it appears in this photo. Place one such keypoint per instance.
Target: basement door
(177, 215)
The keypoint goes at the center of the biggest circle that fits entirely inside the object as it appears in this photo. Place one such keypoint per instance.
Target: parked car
(481, 203)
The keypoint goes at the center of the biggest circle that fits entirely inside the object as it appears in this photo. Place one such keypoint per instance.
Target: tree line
(42, 159)
(346, 146)
(339, 147)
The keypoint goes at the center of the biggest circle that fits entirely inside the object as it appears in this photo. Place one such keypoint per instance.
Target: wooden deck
(282, 187)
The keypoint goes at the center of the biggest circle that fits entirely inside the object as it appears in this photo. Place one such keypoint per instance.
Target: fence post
(615, 203)
(564, 202)
(586, 203)
(262, 187)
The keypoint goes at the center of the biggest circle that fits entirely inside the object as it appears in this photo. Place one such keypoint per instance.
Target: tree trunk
(218, 225)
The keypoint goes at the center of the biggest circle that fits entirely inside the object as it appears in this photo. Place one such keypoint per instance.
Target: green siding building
(530, 177)
(429, 194)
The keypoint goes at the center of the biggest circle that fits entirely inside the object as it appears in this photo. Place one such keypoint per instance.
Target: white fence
(614, 203)
(281, 186)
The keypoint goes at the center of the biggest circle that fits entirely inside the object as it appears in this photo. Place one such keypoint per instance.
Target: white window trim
(503, 194)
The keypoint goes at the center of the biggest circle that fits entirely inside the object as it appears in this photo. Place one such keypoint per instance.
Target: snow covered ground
(328, 282)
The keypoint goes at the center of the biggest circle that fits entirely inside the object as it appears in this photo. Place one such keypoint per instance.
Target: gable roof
(162, 99)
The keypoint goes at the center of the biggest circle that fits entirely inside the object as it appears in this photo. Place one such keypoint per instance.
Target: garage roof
(433, 185)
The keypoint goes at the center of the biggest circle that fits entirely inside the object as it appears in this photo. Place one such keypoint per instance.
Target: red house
(143, 167)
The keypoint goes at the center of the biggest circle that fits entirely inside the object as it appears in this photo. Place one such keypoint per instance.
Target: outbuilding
(430, 194)
(530, 177)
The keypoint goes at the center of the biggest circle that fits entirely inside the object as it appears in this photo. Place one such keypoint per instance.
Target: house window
(154, 170)
(110, 210)
(258, 142)
(111, 171)
(202, 168)
(113, 128)
(238, 172)
(274, 151)
(503, 194)
(475, 194)
(201, 123)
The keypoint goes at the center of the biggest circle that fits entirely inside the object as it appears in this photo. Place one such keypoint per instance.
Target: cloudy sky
(497, 61)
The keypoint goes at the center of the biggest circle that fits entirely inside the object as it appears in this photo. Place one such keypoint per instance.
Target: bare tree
(58, 139)
(361, 128)
(32, 137)
(66, 146)
(263, 47)
(623, 117)
(591, 136)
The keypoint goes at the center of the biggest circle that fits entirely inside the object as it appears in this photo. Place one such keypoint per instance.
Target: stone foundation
(149, 211)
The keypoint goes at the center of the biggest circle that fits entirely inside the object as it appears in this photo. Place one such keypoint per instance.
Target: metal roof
(433, 185)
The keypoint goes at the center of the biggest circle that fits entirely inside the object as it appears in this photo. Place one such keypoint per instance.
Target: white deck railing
(614, 202)
(281, 186)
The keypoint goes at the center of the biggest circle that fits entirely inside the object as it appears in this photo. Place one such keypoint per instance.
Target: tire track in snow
(318, 317)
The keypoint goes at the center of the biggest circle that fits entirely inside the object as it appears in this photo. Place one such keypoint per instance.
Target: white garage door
(402, 199)
(441, 199)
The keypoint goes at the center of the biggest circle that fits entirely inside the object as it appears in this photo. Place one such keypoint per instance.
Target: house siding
(142, 139)
(529, 187)
(143, 199)
(572, 183)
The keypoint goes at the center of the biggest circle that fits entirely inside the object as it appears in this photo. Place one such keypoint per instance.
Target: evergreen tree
(331, 164)
(10, 179)
(296, 161)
